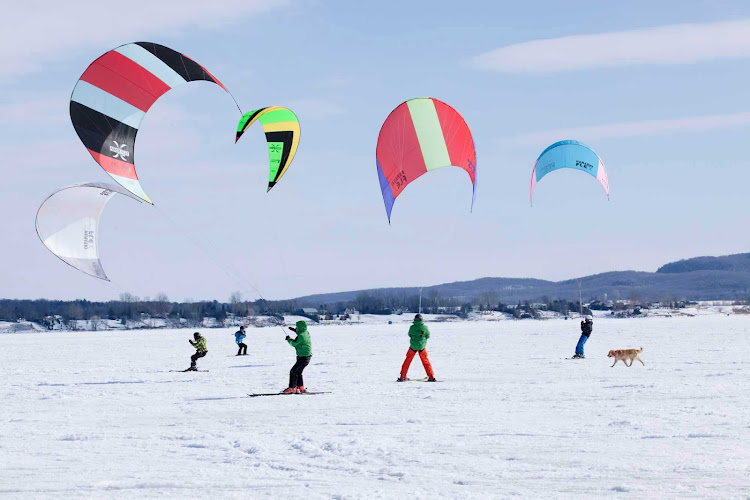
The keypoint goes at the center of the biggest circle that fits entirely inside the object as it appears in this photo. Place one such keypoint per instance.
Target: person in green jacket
(200, 350)
(418, 335)
(304, 352)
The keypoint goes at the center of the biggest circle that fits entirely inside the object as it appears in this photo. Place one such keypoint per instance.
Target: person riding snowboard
(200, 350)
(303, 347)
(587, 326)
(418, 335)
(239, 337)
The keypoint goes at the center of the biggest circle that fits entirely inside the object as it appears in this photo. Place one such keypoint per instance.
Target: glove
(292, 329)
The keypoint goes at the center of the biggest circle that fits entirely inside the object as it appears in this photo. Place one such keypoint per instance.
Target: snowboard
(255, 395)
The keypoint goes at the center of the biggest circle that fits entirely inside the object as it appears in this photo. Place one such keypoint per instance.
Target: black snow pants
(243, 348)
(295, 374)
(195, 357)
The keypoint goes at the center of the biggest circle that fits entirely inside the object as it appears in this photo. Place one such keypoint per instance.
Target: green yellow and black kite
(282, 135)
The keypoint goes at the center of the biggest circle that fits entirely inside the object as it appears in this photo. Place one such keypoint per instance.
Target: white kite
(68, 224)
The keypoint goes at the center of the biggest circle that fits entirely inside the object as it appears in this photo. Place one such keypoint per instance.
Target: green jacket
(418, 335)
(302, 343)
(200, 345)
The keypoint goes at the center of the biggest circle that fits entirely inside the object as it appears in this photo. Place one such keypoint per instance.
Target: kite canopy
(68, 221)
(418, 136)
(113, 95)
(568, 154)
(282, 134)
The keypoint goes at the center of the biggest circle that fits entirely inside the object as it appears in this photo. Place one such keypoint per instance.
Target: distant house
(448, 309)
(309, 312)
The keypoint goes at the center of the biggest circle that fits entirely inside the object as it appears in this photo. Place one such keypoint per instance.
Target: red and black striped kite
(113, 95)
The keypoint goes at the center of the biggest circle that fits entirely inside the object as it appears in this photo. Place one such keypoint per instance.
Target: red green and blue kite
(418, 136)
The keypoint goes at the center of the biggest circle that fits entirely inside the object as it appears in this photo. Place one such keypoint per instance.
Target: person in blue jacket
(239, 337)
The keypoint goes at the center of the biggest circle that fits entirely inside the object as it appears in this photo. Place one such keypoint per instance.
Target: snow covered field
(99, 414)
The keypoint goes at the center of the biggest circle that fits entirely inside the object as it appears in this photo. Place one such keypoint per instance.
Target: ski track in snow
(99, 414)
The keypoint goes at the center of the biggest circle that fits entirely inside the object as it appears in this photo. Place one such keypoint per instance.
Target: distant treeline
(133, 309)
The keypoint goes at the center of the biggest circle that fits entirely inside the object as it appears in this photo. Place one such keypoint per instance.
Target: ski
(188, 370)
(286, 394)
(419, 380)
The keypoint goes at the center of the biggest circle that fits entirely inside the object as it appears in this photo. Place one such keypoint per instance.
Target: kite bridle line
(228, 270)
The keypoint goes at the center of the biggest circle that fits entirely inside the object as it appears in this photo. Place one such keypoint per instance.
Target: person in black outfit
(587, 326)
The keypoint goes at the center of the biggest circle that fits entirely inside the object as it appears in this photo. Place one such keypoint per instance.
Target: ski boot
(301, 389)
(290, 390)
(432, 379)
(400, 379)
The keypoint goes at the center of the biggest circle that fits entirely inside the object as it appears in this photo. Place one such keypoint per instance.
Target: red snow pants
(425, 362)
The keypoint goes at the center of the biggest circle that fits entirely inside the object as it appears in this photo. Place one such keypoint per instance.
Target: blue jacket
(239, 336)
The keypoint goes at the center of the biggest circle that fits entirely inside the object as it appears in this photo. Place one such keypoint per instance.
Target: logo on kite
(88, 239)
(119, 150)
(418, 136)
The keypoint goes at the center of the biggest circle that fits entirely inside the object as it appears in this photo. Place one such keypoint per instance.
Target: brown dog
(626, 354)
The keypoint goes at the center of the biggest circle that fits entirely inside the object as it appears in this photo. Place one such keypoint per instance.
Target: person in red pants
(418, 335)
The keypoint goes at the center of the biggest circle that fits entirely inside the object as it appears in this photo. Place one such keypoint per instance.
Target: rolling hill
(700, 278)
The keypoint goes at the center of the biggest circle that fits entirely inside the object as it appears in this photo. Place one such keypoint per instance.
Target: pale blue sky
(666, 107)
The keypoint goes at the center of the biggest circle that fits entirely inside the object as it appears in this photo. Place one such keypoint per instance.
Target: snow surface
(98, 414)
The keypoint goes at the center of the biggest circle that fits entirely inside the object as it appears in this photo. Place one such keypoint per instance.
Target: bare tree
(128, 297)
(75, 311)
(162, 305)
(236, 304)
(193, 310)
(488, 300)
(434, 299)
